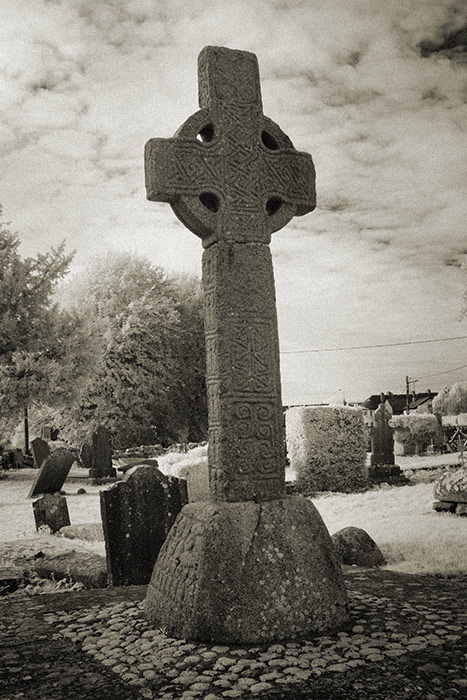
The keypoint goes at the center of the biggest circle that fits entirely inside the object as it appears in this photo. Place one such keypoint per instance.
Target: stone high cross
(233, 177)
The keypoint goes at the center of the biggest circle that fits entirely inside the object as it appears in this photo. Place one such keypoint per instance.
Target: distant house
(418, 403)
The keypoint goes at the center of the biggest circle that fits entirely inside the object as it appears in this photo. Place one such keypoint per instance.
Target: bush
(419, 429)
(327, 448)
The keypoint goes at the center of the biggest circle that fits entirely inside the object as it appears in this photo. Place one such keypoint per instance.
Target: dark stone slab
(53, 472)
(102, 454)
(40, 451)
(137, 514)
(51, 510)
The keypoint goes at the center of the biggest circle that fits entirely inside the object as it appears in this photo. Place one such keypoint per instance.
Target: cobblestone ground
(407, 639)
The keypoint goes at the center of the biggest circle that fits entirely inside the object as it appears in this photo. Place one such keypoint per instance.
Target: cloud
(374, 90)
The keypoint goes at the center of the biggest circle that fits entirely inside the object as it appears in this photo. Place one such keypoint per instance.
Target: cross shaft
(233, 177)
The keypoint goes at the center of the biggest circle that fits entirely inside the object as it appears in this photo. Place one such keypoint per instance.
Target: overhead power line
(379, 345)
(447, 371)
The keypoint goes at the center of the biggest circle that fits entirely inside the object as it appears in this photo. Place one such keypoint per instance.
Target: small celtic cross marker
(233, 177)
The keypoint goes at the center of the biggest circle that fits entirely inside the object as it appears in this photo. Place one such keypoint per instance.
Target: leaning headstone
(355, 546)
(102, 454)
(137, 514)
(382, 441)
(53, 472)
(51, 510)
(253, 565)
(40, 451)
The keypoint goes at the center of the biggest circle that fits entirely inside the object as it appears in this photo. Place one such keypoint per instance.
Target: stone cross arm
(230, 173)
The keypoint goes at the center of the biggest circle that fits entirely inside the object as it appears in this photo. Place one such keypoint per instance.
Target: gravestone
(102, 454)
(86, 455)
(382, 441)
(46, 432)
(137, 514)
(252, 565)
(40, 451)
(53, 472)
(51, 510)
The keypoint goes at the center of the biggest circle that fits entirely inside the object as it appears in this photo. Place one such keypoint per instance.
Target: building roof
(398, 401)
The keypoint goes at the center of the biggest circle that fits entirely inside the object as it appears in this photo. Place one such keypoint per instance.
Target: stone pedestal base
(247, 573)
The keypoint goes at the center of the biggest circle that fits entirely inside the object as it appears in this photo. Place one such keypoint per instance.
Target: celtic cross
(233, 177)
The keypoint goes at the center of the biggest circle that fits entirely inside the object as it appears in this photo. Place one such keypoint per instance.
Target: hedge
(327, 448)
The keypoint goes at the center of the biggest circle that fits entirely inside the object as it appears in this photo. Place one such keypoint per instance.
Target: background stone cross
(233, 177)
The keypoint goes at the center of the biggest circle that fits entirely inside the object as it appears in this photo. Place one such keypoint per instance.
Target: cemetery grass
(412, 536)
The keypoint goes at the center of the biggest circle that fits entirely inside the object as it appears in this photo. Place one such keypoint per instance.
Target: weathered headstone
(102, 454)
(382, 441)
(253, 565)
(137, 514)
(46, 432)
(53, 472)
(51, 510)
(40, 451)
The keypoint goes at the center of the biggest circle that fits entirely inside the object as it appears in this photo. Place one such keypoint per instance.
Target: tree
(451, 401)
(419, 429)
(143, 386)
(40, 357)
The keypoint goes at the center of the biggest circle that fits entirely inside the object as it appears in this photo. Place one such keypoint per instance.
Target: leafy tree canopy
(451, 401)
(42, 351)
(148, 381)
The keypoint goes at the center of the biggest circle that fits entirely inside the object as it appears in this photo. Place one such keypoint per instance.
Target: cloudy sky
(375, 90)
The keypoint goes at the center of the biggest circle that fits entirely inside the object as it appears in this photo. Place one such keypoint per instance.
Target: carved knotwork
(230, 173)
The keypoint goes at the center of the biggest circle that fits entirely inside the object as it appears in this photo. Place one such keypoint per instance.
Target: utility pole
(408, 382)
(26, 430)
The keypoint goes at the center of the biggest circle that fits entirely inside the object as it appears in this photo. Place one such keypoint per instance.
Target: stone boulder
(452, 486)
(86, 567)
(247, 572)
(355, 546)
(92, 532)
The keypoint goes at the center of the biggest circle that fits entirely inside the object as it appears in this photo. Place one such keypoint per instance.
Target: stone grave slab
(53, 472)
(40, 451)
(137, 514)
(51, 510)
(228, 569)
